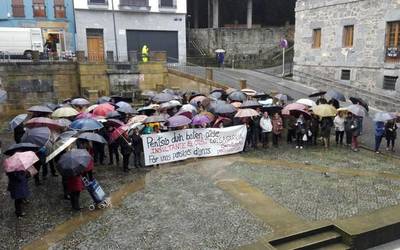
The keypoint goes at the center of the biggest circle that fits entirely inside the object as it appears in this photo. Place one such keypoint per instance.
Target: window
(168, 3)
(348, 33)
(316, 38)
(135, 3)
(345, 75)
(39, 8)
(59, 9)
(18, 8)
(389, 82)
(392, 41)
(100, 2)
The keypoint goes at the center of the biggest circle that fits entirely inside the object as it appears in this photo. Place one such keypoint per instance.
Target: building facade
(349, 44)
(54, 17)
(122, 26)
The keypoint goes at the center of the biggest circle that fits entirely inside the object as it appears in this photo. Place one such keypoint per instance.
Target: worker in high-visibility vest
(145, 53)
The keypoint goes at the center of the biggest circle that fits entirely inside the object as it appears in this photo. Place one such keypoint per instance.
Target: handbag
(305, 138)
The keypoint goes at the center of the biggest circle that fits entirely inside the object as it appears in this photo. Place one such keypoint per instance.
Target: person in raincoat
(326, 127)
(126, 149)
(266, 129)
(277, 127)
(379, 133)
(19, 190)
(347, 128)
(137, 143)
(301, 131)
(145, 54)
(339, 128)
(391, 134)
(75, 186)
(112, 147)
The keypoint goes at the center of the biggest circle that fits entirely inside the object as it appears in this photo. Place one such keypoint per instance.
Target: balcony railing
(392, 55)
(168, 4)
(134, 3)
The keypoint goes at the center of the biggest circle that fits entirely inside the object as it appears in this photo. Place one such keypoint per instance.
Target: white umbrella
(306, 102)
(267, 102)
(219, 51)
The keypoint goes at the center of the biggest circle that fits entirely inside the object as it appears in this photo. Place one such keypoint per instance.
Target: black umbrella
(40, 109)
(74, 162)
(113, 114)
(260, 95)
(92, 137)
(272, 109)
(357, 100)
(21, 147)
(237, 96)
(163, 97)
(318, 93)
(222, 107)
(334, 94)
(39, 136)
(250, 104)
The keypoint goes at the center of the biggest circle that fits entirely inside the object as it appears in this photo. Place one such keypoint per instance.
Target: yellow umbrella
(65, 112)
(324, 110)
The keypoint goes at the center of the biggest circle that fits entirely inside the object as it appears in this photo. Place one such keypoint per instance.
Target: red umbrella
(43, 122)
(118, 132)
(103, 109)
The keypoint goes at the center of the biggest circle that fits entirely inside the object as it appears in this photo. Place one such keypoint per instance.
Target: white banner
(191, 143)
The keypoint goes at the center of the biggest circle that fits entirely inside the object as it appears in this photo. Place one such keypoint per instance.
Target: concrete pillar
(243, 84)
(215, 14)
(209, 74)
(195, 14)
(249, 14)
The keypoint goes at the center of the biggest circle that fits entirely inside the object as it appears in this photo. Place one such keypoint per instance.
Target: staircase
(329, 237)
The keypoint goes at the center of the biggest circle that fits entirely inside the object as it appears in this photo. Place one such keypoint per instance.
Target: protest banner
(191, 143)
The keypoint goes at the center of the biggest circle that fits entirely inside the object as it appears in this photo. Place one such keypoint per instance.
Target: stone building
(126, 25)
(352, 45)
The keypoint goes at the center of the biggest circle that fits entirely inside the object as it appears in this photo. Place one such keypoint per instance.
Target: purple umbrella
(178, 121)
(200, 120)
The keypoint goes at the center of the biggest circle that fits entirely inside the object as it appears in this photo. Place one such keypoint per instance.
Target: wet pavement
(216, 203)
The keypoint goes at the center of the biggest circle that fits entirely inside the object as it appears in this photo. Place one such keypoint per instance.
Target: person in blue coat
(379, 133)
(19, 190)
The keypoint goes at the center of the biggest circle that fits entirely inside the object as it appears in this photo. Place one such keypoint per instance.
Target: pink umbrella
(85, 115)
(294, 107)
(200, 120)
(43, 122)
(178, 121)
(246, 113)
(118, 132)
(20, 161)
(103, 109)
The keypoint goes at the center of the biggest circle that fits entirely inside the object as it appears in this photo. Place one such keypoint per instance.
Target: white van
(20, 41)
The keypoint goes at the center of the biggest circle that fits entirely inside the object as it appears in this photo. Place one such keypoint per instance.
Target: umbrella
(66, 135)
(149, 108)
(114, 123)
(149, 93)
(215, 95)
(222, 107)
(219, 51)
(121, 104)
(188, 107)
(307, 102)
(222, 91)
(126, 110)
(40, 109)
(324, 110)
(169, 91)
(251, 104)
(237, 96)
(334, 94)
(91, 108)
(283, 97)
(267, 102)
(356, 100)
(20, 161)
(43, 122)
(39, 136)
(103, 99)
(226, 121)
(318, 93)
(236, 104)
(80, 102)
(92, 137)
(342, 110)
(197, 99)
(154, 118)
(188, 114)
(249, 92)
(64, 112)
(21, 147)
(384, 117)
(357, 110)
(260, 95)
(178, 121)
(74, 162)
(210, 116)
(163, 97)
(137, 119)
(228, 91)
(85, 115)
(272, 109)
(201, 120)
(294, 107)
(51, 106)
(103, 109)
(246, 113)
(64, 122)
(113, 114)
(3, 96)
(118, 132)
(86, 124)
(18, 120)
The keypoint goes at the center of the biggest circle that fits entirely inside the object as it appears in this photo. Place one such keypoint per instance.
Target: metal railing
(392, 55)
(134, 3)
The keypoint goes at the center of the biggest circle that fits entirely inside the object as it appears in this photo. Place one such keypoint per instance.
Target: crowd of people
(59, 135)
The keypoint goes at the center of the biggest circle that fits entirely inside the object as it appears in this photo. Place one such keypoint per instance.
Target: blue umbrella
(122, 104)
(80, 102)
(16, 121)
(383, 117)
(39, 136)
(86, 124)
(334, 94)
(126, 110)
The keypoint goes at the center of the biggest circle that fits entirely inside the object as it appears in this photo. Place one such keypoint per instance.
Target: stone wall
(248, 47)
(365, 60)
(93, 76)
(152, 75)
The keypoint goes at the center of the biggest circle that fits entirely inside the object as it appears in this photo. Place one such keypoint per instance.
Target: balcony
(134, 5)
(392, 55)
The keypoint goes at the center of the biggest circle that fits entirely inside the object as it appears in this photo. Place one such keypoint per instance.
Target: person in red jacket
(75, 186)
